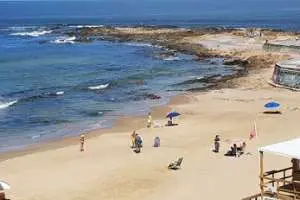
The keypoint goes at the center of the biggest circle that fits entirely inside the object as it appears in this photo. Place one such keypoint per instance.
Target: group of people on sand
(236, 149)
(150, 122)
(137, 142)
(136, 139)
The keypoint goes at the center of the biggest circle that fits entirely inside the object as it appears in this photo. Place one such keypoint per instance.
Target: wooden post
(261, 162)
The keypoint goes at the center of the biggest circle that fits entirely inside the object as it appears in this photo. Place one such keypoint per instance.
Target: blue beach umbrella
(272, 105)
(172, 114)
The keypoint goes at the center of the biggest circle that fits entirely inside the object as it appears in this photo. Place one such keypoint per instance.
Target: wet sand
(109, 169)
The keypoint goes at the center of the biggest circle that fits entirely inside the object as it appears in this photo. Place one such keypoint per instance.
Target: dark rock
(236, 62)
(153, 96)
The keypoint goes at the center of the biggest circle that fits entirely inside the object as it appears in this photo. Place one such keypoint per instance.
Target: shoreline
(109, 169)
(212, 83)
(126, 123)
(140, 35)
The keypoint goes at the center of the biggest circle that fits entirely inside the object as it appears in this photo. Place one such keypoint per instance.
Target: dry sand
(108, 169)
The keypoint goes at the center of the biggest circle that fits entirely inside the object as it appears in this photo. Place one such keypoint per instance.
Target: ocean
(53, 87)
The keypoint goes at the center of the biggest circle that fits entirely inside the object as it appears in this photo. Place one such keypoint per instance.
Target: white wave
(172, 58)
(35, 137)
(137, 44)
(60, 93)
(86, 26)
(21, 28)
(4, 105)
(99, 87)
(32, 34)
(65, 40)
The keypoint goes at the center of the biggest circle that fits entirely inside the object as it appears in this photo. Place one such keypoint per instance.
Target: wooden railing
(277, 176)
(282, 183)
(258, 196)
(253, 197)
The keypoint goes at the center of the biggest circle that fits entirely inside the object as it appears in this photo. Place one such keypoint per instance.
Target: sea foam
(65, 40)
(140, 44)
(4, 105)
(172, 58)
(60, 93)
(99, 87)
(32, 34)
(86, 26)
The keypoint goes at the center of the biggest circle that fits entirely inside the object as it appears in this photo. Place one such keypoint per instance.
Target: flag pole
(255, 129)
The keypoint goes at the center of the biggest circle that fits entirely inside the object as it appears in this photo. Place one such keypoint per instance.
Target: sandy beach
(109, 169)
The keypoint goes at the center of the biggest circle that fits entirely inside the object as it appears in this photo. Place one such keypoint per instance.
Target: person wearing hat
(82, 138)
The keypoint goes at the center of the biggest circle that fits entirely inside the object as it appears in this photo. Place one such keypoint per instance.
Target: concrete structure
(287, 73)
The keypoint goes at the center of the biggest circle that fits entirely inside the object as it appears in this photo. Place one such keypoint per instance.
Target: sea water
(53, 86)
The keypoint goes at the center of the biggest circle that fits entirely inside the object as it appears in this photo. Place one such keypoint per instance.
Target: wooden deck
(278, 184)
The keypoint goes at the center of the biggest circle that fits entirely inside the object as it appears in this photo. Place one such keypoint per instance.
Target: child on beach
(156, 142)
(149, 122)
(133, 142)
(82, 138)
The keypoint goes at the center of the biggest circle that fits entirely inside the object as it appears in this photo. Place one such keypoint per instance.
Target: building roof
(290, 64)
(290, 148)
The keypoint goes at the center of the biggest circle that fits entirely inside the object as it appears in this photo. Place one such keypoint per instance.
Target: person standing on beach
(82, 138)
(149, 123)
(133, 142)
(217, 144)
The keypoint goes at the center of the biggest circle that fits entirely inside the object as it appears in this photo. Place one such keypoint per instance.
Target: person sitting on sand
(133, 135)
(217, 144)
(241, 149)
(233, 151)
(82, 138)
(149, 122)
(170, 122)
(156, 142)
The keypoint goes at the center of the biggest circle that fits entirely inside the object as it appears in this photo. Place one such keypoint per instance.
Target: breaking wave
(32, 33)
(65, 40)
(86, 26)
(60, 93)
(98, 87)
(172, 58)
(137, 44)
(4, 105)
